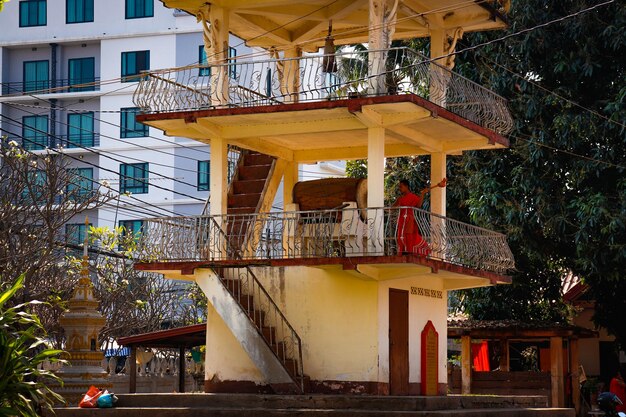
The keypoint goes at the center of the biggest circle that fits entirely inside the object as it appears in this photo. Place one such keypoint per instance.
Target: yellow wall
(335, 314)
(225, 358)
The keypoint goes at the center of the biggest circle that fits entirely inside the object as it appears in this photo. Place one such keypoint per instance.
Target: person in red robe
(618, 387)
(408, 235)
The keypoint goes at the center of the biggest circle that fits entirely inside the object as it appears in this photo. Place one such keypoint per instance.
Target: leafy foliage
(561, 211)
(23, 349)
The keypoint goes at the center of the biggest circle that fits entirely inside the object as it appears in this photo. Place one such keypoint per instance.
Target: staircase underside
(139, 405)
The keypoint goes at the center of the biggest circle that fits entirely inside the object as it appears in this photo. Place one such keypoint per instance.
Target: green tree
(561, 211)
(23, 350)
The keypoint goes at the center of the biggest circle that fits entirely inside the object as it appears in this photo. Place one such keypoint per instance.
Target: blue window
(33, 13)
(133, 227)
(134, 178)
(36, 75)
(204, 175)
(202, 60)
(133, 63)
(78, 11)
(35, 132)
(136, 9)
(80, 130)
(129, 126)
(82, 71)
(75, 233)
(232, 69)
(80, 185)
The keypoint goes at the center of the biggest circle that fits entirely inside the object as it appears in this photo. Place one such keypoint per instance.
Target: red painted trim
(423, 370)
(353, 105)
(348, 263)
(163, 335)
(575, 292)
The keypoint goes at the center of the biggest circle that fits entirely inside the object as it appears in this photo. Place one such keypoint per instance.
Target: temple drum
(330, 193)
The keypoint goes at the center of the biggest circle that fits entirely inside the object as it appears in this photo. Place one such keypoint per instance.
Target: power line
(124, 142)
(117, 160)
(94, 181)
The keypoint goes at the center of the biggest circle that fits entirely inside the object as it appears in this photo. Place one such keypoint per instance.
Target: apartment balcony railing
(339, 233)
(42, 142)
(347, 74)
(51, 86)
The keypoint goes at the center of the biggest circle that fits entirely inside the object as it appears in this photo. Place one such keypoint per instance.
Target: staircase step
(257, 159)
(241, 210)
(255, 172)
(233, 285)
(248, 186)
(247, 302)
(331, 402)
(243, 200)
(261, 412)
(258, 317)
(269, 333)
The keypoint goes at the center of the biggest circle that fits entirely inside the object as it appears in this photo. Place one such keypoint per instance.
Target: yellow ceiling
(304, 23)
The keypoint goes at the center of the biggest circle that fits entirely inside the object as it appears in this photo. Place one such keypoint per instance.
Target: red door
(398, 342)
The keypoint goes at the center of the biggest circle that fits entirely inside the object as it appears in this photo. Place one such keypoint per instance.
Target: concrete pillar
(219, 176)
(290, 178)
(218, 54)
(382, 20)
(466, 365)
(376, 187)
(438, 79)
(290, 82)
(556, 372)
(437, 173)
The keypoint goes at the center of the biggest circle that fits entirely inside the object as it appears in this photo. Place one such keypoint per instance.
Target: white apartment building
(68, 72)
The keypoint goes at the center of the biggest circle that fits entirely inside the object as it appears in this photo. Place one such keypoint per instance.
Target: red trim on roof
(163, 336)
(353, 105)
(575, 292)
(348, 263)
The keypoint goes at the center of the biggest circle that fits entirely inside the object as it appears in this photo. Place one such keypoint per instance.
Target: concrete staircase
(249, 182)
(248, 405)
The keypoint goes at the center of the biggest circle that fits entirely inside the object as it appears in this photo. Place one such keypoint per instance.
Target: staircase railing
(253, 298)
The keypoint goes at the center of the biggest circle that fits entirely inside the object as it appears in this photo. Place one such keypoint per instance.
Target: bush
(23, 350)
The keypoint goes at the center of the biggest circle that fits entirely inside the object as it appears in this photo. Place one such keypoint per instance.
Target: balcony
(322, 237)
(42, 142)
(50, 86)
(317, 78)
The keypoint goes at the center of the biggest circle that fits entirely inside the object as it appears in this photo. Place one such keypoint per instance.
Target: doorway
(398, 342)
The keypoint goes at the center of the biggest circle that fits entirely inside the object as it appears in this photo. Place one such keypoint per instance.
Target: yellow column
(382, 20)
(218, 54)
(438, 79)
(556, 372)
(290, 179)
(376, 187)
(219, 176)
(290, 82)
(437, 173)
(466, 365)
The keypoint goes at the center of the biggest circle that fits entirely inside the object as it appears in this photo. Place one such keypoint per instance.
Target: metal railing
(51, 86)
(343, 75)
(325, 234)
(263, 312)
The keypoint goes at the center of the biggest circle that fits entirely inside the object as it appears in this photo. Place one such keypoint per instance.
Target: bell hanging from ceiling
(329, 64)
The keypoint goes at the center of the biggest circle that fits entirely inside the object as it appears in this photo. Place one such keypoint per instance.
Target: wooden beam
(335, 11)
(557, 394)
(504, 355)
(466, 365)
(418, 138)
(396, 117)
(269, 28)
(574, 371)
(264, 146)
(354, 152)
